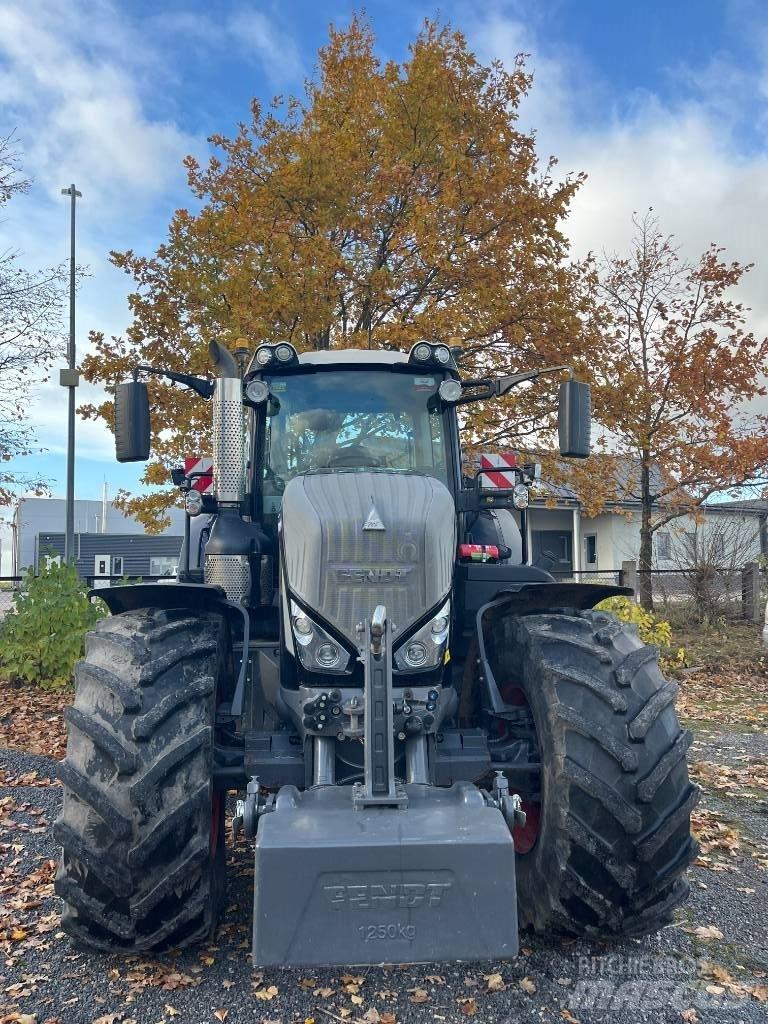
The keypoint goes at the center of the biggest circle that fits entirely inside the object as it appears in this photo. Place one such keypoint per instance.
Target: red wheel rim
(524, 836)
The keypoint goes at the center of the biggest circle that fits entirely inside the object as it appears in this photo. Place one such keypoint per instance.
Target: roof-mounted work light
(283, 354)
(427, 354)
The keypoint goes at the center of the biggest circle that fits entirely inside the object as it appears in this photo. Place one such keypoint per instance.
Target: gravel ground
(673, 976)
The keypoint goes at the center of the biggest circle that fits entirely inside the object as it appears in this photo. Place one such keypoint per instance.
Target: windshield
(351, 419)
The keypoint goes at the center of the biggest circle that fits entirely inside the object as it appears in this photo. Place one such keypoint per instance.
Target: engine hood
(353, 540)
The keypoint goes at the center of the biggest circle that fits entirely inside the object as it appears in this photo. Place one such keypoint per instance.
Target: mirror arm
(488, 387)
(203, 387)
(506, 384)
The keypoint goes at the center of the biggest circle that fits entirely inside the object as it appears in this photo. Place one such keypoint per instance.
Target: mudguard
(128, 597)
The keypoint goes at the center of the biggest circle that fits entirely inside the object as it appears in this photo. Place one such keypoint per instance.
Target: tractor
(431, 743)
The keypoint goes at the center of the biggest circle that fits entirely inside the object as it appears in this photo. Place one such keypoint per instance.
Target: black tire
(143, 861)
(613, 841)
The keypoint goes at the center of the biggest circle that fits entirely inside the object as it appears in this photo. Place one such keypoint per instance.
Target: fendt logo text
(352, 574)
(392, 896)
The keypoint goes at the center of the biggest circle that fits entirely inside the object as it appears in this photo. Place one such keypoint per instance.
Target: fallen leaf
(221, 1014)
(705, 932)
(495, 982)
(435, 979)
(468, 1007)
(227, 984)
(690, 1016)
(357, 1000)
(527, 986)
(388, 1018)
(568, 1016)
(372, 1016)
(171, 1011)
(308, 983)
(266, 993)
(324, 993)
(418, 995)
(208, 960)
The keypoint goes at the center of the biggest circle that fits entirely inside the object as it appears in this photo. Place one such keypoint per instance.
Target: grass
(722, 644)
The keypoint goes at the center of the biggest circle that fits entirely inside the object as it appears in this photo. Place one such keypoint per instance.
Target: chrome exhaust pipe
(231, 542)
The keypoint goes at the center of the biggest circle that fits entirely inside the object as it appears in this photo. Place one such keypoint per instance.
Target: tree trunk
(645, 582)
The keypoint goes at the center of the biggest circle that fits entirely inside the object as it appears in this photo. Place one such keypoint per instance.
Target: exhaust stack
(228, 429)
(227, 562)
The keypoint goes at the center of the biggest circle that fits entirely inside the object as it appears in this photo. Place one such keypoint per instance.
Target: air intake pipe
(234, 545)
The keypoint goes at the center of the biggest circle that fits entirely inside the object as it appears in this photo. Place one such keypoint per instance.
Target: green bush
(651, 629)
(42, 638)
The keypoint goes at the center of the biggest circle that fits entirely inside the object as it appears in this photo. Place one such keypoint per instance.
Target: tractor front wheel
(143, 861)
(612, 840)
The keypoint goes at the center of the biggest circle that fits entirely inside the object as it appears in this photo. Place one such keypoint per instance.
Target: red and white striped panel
(200, 464)
(498, 470)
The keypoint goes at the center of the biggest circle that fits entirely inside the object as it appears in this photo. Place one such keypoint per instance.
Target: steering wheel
(354, 455)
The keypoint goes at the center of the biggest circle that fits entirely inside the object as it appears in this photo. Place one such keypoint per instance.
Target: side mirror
(574, 419)
(132, 427)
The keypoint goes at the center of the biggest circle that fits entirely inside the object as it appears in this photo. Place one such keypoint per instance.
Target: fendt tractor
(434, 743)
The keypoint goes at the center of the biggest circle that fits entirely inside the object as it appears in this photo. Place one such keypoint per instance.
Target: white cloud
(274, 49)
(74, 77)
(684, 158)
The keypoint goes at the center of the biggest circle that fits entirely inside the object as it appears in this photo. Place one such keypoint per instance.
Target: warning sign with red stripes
(200, 464)
(498, 470)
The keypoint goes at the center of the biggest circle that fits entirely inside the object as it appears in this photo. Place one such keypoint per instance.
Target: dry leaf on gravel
(387, 1018)
(372, 1016)
(495, 983)
(266, 993)
(468, 1007)
(704, 931)
(690, 1016)
(527, 986)
(221, 1014)
(568, 1016)
(33, 719)
(418, 995)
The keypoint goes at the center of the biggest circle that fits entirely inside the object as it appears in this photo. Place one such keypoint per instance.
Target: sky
(661, 104)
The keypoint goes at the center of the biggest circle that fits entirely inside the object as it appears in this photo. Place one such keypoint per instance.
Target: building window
(163, 565)
(663, 545)
(591, 543)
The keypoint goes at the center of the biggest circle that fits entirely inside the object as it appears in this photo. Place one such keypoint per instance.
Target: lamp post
(69, 379)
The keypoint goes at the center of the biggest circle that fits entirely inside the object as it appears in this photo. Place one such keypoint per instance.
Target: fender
(529, 599)
(129, 597)
(198, 597)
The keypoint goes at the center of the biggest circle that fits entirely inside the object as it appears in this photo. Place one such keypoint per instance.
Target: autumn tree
(30, 335)
(394, 202)
(673, 382)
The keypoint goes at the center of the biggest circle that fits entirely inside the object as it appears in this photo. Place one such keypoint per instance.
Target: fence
(10, 586)
(702, 591)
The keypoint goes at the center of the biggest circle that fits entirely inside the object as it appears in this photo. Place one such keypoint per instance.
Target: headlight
(193, 503)
(450, 390)
(422, 352)
(442, 354)
(263, 355)
(317, 650)
(520, 496)
(425, 649)
(257, 391)
(285, 353)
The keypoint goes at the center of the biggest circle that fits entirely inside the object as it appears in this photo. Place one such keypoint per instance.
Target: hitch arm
(379, 788)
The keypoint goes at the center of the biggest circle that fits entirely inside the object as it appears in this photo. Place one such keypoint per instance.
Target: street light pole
(69, 379)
